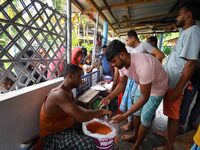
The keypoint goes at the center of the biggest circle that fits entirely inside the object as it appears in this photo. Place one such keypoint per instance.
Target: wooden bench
(87, 98)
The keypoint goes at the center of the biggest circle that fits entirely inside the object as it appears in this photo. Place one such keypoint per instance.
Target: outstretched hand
(118, 118)
(106, 112)
(105, 101)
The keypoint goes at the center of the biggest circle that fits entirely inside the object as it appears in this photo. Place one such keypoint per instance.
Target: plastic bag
(102, 141)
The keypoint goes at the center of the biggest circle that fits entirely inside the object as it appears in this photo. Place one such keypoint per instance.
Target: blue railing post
(89, 79)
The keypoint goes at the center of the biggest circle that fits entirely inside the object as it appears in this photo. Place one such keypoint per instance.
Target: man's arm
(188, 70)
(79, 113)
(120, 87)
(145, 93)
(88, 70)
(158, 54)
(115, 78)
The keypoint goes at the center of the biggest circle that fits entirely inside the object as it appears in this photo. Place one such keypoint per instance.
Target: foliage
(75, 39)
(59, 5)
(88, 46)
(168, 37)
(167, 50)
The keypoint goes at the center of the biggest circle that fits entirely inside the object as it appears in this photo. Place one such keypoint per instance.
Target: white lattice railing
(32, 41)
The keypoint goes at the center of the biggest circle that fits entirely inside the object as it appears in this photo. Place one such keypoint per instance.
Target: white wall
(19, 114)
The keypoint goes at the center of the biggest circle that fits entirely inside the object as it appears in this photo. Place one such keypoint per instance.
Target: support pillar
(105, 33)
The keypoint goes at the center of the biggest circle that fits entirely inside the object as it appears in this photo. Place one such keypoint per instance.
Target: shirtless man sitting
(61, 117)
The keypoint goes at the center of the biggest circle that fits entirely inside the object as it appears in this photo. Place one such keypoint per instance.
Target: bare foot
(127, 127)
(162, 133)
(129, 137)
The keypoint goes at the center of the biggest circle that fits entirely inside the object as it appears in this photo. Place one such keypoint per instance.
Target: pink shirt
(145, 69)
(58, 63)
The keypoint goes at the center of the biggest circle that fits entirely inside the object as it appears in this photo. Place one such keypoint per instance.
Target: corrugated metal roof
(144, 16)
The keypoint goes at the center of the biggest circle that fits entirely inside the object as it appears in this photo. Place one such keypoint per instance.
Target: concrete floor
(150, 141)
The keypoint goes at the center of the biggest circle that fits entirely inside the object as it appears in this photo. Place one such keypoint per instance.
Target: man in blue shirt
(106, 66)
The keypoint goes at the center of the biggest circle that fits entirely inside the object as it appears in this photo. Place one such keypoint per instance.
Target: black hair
(73, 69)
(104, 46)
(84, 50)
(84, 54)
(114, 48)
(193, 7)
(131, 33)
(29, 53)
(153, 39)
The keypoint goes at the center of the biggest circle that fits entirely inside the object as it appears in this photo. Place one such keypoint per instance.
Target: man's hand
(118, 118)
(173, 95)
(106, 112)
(105, 101)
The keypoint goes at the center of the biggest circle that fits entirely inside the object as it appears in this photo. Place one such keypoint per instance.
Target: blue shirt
(105, 65)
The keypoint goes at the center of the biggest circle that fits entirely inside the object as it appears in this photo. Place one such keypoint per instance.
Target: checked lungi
(69, 139)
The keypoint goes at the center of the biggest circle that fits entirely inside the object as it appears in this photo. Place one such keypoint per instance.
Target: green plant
(75, 39)
(88, 46)
(166, 50)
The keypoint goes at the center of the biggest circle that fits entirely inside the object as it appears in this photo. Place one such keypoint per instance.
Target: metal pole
(105, 33)
(69, 32)
(95, 38)
(160, 41)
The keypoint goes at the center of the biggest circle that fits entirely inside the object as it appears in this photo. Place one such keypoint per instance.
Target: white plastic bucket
(102, 142)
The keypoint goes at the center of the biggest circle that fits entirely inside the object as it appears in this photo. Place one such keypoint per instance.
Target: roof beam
(132, 27)
(128, 15)
(175, 6)
(138, 26)
(82, 10)
(135, 29)
(110, 11)
(141, 19)
(153, 32)
(128, 4)
(123, 4)
(96, 8)
(144, 24)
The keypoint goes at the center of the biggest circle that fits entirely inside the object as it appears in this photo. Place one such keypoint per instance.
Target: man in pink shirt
(152, 79)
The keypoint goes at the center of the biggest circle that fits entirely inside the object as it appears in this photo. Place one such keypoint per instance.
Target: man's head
(7, 83)
(73, 74)
(131, 38)
(104, 49)
(188, 12)
(84, 51)
(116, 52)
(153, 41)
